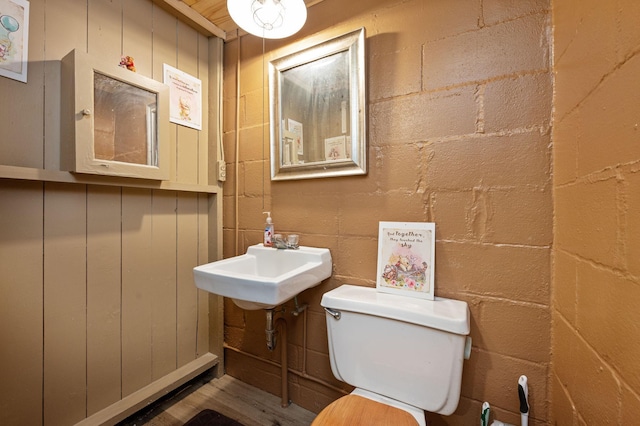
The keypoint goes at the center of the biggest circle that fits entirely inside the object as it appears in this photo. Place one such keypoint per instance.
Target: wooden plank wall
(96, 291)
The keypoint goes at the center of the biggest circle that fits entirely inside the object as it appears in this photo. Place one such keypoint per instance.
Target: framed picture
(335, 148)
(406, 258)
(14, 39)
(185, 97)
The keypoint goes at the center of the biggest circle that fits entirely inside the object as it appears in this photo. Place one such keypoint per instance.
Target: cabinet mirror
(114, 121)
(318, 111)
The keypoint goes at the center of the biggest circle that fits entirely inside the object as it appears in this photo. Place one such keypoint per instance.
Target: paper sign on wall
(185, 93)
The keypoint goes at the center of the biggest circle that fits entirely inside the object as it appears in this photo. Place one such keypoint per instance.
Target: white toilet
(402, 354)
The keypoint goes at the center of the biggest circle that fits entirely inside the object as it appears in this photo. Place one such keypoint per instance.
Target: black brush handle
(524, 405)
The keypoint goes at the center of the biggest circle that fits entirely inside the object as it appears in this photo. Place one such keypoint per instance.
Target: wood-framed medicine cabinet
(113, 121)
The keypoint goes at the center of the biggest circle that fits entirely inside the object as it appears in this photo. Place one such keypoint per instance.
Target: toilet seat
(354, 410)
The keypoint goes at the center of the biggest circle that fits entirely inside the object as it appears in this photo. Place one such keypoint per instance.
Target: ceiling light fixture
(268, 18)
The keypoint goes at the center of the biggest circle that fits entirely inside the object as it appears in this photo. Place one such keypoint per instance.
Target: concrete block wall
(596, 332)
(459, 113)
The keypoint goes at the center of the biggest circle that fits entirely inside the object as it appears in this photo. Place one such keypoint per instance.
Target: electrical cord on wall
(264, 160)
(237, 145)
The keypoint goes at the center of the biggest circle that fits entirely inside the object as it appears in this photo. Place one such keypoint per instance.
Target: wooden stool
(354, 410)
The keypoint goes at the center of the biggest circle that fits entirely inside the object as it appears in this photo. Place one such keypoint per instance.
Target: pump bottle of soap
(268, 231)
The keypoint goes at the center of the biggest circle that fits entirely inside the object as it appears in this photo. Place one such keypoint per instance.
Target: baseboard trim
(136, 401)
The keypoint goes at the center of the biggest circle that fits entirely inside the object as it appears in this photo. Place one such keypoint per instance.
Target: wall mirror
(318, 110)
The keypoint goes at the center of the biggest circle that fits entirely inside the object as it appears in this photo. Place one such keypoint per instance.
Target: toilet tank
(401, 347)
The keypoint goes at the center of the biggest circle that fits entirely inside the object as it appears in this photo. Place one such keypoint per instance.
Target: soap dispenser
(268, 231)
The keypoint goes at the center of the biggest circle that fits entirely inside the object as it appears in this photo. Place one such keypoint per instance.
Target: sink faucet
(290, 243)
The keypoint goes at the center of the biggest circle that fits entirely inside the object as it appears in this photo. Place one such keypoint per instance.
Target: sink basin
(265, 277)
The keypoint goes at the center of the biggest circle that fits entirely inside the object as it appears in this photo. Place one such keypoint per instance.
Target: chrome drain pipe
(270, 330)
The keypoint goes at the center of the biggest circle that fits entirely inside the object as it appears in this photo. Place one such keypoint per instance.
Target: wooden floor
(227, 395)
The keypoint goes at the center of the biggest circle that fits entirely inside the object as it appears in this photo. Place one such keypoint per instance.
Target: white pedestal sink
(265, 277)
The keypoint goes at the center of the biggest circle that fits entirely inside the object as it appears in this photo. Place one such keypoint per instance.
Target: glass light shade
(268, 18)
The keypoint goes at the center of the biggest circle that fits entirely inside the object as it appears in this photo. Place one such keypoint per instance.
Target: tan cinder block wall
(596, 334)
(459, 110)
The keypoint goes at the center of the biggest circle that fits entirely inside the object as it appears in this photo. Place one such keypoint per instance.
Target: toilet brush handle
(523, 394)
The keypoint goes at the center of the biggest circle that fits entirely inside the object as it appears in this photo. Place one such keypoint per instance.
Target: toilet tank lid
(443, 314)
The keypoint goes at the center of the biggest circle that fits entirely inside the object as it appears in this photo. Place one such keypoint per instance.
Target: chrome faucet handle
(279, 242)
(292, 241)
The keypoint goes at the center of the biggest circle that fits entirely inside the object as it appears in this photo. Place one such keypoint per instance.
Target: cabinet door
(115, 122)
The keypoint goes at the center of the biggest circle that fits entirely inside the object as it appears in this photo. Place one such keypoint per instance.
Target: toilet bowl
(402, 354)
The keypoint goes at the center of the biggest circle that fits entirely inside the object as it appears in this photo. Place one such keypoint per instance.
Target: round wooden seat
(354, 410)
